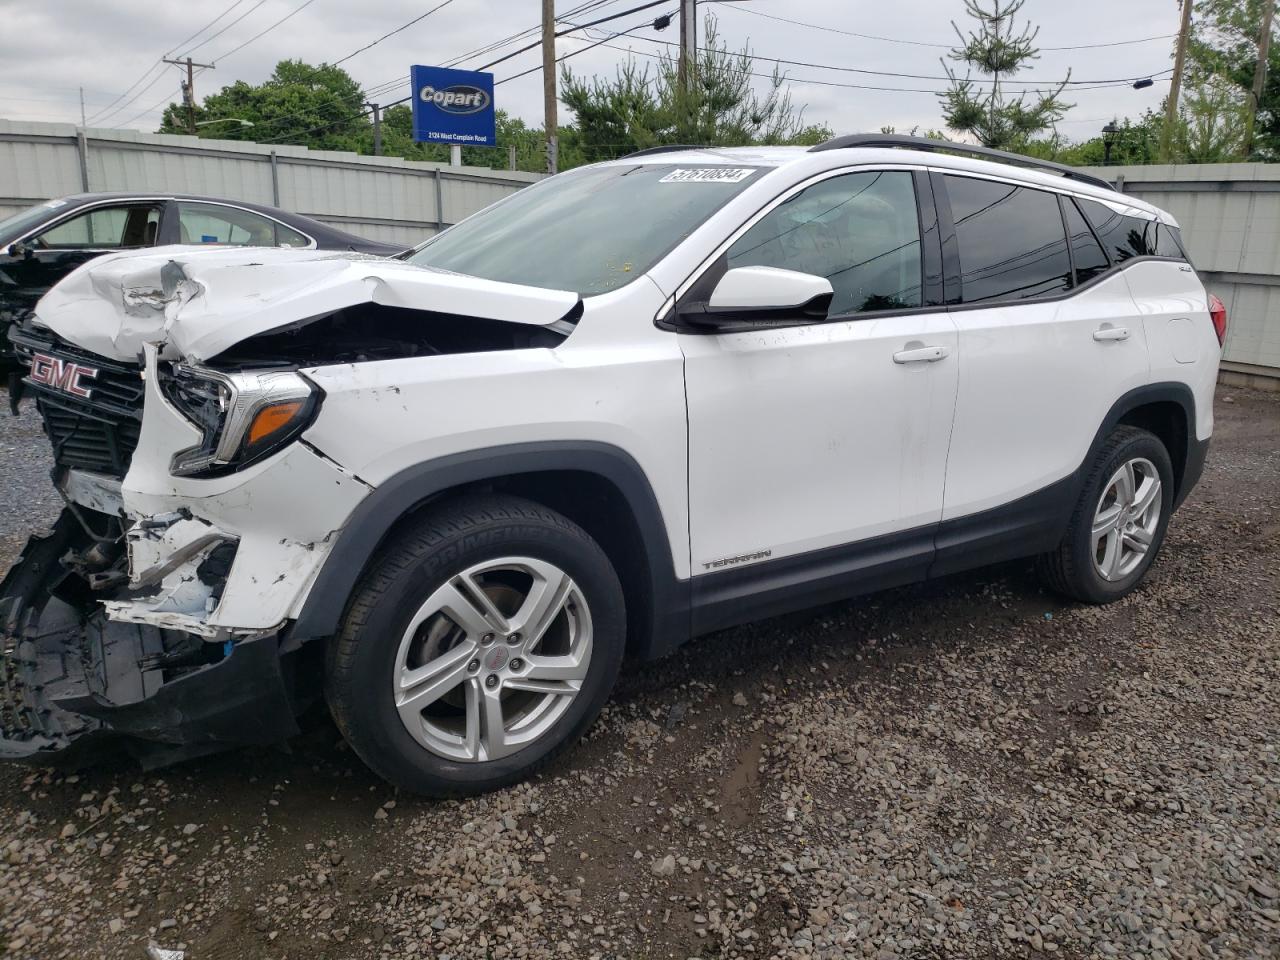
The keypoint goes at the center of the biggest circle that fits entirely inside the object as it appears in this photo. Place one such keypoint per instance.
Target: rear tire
(1119, 523)
(483, 641)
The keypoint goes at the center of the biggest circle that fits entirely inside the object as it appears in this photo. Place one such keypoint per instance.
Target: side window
(1089, 256)
(288, 237)
(104, 227)
(1011, 240)
(860, 231)
(212, 223)
(1169, 242)
(1124, 237)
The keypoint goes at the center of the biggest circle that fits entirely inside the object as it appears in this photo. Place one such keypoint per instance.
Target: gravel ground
(968, 768)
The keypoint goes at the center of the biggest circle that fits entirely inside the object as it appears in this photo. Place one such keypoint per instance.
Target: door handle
(920, 355)
(1108, 332)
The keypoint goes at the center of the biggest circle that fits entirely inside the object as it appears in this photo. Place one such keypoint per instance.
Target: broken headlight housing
(242, 416)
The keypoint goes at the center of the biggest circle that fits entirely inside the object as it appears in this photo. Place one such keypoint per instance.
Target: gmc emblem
(64, 375)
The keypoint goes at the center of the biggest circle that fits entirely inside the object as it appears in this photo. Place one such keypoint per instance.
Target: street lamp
(1108, 138)
(243, 123)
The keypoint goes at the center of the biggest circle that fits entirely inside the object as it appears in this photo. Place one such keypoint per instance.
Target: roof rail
(902, 141)
(666, 148)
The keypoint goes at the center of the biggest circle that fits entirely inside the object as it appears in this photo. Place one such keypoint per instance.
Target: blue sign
(453, 106)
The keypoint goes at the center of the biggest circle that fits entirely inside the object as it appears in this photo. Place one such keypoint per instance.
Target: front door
(819, 451)
(49, 256)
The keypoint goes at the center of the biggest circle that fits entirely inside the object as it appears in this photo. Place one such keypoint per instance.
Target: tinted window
(1124, 237)
(1085, 249)
(1011, 240)
(1169, 242)
(212, 223)
(860, 231)
(123, 226)
(590, 230)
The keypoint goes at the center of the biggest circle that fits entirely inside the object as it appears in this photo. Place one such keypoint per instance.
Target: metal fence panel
(1230, 219)
(383, 198)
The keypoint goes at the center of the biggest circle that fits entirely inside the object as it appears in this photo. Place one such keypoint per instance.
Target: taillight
(1218, 314)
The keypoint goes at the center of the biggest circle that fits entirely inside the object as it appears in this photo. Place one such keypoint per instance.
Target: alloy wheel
(1126, 520)
(492, 659)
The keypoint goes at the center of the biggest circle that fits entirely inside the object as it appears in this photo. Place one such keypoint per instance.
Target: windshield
(588, 231)
(15, 226)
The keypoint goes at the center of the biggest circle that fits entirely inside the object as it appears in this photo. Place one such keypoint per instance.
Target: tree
(397, 141)
(1224, 46)
(996, 49)
(321, 107)
(636, 109)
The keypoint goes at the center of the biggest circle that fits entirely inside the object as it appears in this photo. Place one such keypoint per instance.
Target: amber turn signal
(272, 419)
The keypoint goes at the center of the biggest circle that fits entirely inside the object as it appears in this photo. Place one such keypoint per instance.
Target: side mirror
(751, 297)
(17, 250)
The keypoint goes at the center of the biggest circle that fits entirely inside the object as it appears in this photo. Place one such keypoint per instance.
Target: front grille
(97, 433)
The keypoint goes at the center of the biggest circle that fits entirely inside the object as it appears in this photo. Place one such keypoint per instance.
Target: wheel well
(1168, 421)
(601, 509)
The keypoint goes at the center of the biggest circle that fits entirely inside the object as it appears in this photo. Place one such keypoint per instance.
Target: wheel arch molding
(657, 602)
(1168, 410)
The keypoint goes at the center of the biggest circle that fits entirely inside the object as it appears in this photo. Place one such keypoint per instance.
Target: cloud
(49, 49)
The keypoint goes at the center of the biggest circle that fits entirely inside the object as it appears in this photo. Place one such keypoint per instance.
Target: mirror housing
(748, 298)
(18, 249)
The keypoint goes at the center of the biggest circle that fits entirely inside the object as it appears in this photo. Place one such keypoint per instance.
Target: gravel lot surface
(969, 768)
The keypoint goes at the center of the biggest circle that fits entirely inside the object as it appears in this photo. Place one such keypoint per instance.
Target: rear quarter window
(1126, 237)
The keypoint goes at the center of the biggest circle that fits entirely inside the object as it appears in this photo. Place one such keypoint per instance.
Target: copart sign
(453, 106)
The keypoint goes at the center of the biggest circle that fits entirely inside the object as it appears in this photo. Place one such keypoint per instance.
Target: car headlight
(242, 416)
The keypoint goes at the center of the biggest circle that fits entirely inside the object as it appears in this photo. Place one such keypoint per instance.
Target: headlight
(242, 417)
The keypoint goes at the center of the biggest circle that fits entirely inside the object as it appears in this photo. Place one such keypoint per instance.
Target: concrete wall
(1230, 219)
(383, 198)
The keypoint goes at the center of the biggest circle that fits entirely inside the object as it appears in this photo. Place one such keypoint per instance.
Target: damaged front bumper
(71, 678)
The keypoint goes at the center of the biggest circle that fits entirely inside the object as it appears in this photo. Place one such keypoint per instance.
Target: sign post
(453, 106)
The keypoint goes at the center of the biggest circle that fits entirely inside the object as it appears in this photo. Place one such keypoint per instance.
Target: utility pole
(189, 89)
(82, 123)
(549, 84)
(688, 42)
(1171, 104)
(377, 128)
(1259, 77)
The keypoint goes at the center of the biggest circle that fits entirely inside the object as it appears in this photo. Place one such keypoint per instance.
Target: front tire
(482, 642)
(1119, 523)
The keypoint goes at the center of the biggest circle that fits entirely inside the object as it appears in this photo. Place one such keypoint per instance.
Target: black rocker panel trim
(743, 594)
(1028, 526)
(377, 515)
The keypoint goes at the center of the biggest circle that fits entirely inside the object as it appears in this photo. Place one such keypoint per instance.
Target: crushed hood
(198, 303)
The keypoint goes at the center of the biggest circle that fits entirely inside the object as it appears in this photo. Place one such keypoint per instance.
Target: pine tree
(996, 49)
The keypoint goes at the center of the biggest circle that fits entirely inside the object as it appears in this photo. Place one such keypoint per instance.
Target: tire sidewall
(376, 730)
(1144, 445)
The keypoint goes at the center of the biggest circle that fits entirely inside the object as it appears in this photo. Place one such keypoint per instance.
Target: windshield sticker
(709, 175)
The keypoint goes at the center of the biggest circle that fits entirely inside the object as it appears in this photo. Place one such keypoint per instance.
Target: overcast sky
(49, 48)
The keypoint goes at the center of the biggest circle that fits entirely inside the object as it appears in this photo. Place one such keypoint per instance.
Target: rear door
(1049, 338)
(805, 441)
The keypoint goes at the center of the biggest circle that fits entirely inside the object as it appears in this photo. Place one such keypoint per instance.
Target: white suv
(631, 404)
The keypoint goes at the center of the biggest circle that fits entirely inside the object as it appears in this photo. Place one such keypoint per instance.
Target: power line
(583, 8)
(915, 76)
(923, 43)
(215, 36)
(262, 33)
(398, 29)
(111, 109)
(829, 83)
(176, 46)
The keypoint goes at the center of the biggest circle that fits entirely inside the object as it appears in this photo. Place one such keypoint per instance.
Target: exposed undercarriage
(70, 677)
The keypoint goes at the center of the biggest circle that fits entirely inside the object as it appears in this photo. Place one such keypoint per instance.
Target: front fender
(377, 515)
